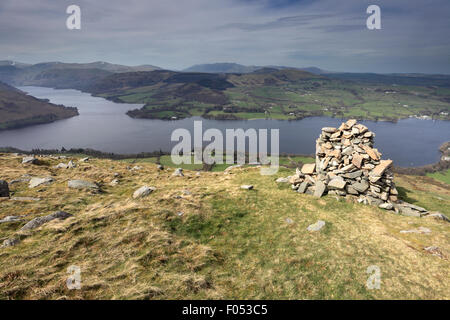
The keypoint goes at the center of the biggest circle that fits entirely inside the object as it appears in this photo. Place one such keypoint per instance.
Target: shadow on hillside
(403, 195)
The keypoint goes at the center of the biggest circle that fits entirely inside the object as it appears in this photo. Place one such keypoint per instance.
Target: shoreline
(440, 165)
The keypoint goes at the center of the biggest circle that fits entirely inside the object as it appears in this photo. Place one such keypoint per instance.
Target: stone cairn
(347, 165)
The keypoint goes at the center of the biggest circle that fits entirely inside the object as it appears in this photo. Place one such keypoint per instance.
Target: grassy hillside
(201, 236)
(18, 109)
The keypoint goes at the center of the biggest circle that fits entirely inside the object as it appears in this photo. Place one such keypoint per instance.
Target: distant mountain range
(239, 68)
(62, 75)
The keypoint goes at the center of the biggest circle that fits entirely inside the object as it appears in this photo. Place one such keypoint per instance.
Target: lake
(103, 125)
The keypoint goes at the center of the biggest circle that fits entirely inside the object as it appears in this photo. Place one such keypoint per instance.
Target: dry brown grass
(228, 244)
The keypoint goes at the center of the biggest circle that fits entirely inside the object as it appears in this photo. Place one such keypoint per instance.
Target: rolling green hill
(269, 93)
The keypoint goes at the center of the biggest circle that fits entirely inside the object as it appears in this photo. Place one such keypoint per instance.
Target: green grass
(443, 176)
(305, 98)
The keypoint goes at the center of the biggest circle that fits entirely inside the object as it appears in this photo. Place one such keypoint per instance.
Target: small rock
(329, 129)
(10, 242)
(247, 187)
(178, 173)
(25, 199)
(35, 182)
(337, 183)
(228, 169)
(82, 184)
(61, 166)
(289, 221)
(4, 189)
(316, 226)
(180, 214)
(143, 192)
(418, 230)
(435, 251)
(160, 167)
(282, 180)
(438, 216)
(71, 165)
(303, 186)
(115, 182)
(410, 210)
(39, 221)
(308, 168)
(386, 206)
(84, 159)
(320, 189)
(29, 160)
(21, 180)
(10, 219)
(361, 186)
(136, 168)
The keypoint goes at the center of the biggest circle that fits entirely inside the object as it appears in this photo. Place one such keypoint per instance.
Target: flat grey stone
(35, 182)
(25, 199)
(39, 221)
(143, 192)
(29, 160)
(438, 216)
(418, 230)
(361, 186)
(10, 219)
(352, 175)
(82, 184)
(320, 189)
(316, 226)
(386, 206)
(337, 183)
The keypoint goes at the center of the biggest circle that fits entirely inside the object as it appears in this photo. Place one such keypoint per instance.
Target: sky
(175, 34)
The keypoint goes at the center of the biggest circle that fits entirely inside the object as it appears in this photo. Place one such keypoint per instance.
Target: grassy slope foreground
(201, 236)
(18, 109)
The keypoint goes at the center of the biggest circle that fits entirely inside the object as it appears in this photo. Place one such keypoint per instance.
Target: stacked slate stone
(348, 165)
